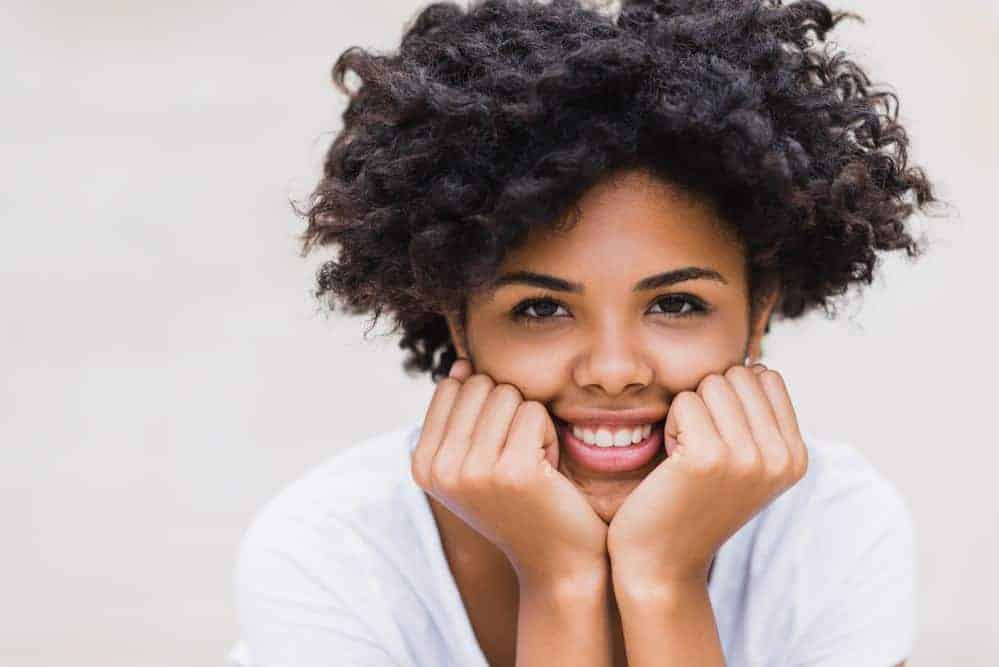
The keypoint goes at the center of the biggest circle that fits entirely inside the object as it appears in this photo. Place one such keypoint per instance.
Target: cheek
(539, 373)
(682, 367)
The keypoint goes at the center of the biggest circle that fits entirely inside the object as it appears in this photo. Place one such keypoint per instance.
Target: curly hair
(494, 119)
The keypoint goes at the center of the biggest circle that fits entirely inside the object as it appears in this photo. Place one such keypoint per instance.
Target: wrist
(642, 569)
(645, 576)
(662, 593)
(581, 582)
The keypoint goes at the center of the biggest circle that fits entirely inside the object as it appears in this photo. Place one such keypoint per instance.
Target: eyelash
(520, 315)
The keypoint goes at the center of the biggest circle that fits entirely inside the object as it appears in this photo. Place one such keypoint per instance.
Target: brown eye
(542, 309)
(679, 305)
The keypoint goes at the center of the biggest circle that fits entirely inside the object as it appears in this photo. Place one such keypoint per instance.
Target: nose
(613, 362)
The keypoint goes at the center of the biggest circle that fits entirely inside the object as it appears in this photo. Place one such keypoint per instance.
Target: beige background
(165, 371)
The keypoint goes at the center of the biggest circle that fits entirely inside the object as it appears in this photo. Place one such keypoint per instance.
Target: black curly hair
(495, 118)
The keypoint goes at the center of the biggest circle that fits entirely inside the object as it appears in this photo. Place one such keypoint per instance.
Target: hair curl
(493, 119)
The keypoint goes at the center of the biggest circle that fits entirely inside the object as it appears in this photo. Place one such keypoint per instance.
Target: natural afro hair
(493, 119)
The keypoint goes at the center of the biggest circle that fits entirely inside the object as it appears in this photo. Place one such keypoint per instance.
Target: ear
(457, 333)
(761, 320)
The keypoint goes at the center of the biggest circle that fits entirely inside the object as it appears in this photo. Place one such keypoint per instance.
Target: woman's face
(570, 323)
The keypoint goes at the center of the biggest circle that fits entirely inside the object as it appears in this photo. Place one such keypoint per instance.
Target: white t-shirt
(345, 567)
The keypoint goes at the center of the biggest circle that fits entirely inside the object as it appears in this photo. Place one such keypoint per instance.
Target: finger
(760, 415)
(461, 369)
(531, 438)
(729, 419)
(432, 431)
(776, 389)
(460, 425)
(491, 431)
(692, 431)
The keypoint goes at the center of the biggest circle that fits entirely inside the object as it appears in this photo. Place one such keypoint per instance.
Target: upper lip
(629, 417)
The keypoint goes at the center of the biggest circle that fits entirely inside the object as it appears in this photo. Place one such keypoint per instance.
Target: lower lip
(612, 459)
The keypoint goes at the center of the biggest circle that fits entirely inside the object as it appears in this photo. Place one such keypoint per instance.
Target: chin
(604, 495)
(606, 505)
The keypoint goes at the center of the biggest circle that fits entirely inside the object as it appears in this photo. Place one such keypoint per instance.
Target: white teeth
(605, 437)
(622, 438)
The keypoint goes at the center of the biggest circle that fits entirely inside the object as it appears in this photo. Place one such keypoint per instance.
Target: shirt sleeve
(299, 604)
(867, 616)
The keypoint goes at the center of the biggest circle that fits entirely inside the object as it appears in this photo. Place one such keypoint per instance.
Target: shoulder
(834, 559)
(305, 578)
(845, 503)
(836, 518)
(317, 523)
(840, 503)
(839, 472)
(365, 474)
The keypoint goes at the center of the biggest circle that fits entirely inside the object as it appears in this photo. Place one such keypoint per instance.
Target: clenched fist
(732, 447)
(491, 458)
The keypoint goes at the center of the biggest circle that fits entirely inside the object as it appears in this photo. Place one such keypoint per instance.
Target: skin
(612, 354)
(614, 565)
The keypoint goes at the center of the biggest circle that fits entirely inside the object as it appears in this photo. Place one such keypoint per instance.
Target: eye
(680, 305)
(539, 312)
(543, 309)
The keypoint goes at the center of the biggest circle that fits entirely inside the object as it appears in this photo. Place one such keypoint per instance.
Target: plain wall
(165, 370)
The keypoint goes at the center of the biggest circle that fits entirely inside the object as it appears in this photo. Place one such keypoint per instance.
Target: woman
(583, 225)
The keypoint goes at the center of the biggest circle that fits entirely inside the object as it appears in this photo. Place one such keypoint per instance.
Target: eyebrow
(650, 283)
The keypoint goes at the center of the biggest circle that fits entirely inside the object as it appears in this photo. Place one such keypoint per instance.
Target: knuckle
(711, 383)
(770, 375)
(801, 465)
(479, 382)
(418, 471)
(685, 398)
(710, 463)
(506, 479)
(448, 384)
(507, 392)
(530, 410)
(737, 371)
(442, 475)
(748, 465)
(475, 478)
(779, 466)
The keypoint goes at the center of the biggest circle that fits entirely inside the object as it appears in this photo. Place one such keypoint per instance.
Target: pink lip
(611, 459)
(632, 417)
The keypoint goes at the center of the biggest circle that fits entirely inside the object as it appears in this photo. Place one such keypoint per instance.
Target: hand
(732, 447)
(492, 459)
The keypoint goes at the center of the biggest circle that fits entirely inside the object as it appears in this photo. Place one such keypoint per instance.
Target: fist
(491, 458)
(732, 447)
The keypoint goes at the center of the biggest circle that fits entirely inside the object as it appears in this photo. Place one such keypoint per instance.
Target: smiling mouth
(596, 449)
(611, 435)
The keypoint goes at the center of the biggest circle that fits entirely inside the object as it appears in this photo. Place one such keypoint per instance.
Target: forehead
(629, 225)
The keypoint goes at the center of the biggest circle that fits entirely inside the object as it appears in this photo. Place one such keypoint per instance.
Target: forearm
(565, 622)
(668, 625)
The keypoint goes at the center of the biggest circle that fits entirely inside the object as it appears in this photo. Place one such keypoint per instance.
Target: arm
(490, 456)
(568, 617)
(731, 448)
(668, 623)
